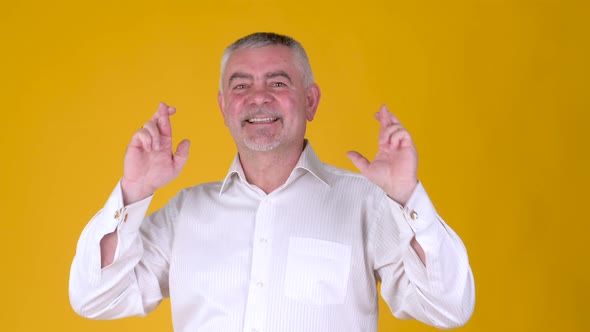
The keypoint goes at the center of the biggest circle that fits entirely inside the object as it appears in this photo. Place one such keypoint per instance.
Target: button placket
(256, 309)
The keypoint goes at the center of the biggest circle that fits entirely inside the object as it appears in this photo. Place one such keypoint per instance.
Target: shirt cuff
(418, 214)
(127, 219)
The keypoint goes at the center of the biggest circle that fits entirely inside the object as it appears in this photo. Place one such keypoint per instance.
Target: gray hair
(262, 39)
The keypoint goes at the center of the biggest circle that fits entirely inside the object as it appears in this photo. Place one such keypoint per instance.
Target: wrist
(401, 192)
(134, 191)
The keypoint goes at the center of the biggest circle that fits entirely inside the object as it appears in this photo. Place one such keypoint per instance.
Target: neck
(270, 169)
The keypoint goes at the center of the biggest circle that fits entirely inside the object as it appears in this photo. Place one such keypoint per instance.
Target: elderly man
(283, 242)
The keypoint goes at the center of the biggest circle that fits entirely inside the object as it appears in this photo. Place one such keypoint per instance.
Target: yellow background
(495, 94)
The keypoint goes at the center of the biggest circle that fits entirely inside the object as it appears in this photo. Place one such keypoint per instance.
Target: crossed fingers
(151, 134)
(392, 132)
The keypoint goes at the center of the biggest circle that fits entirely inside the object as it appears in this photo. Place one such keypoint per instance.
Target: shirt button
(414, 215)
(260, 284)
(263, 240)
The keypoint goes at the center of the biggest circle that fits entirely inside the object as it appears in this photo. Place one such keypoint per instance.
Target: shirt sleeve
(441, 292)
(137, 279)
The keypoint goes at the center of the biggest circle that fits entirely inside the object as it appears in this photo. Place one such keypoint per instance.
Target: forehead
(261, 60)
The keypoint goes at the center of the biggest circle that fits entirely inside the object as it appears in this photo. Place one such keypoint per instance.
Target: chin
(262, 146)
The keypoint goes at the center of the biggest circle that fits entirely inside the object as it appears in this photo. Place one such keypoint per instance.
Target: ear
(312, 101)
(221, 105)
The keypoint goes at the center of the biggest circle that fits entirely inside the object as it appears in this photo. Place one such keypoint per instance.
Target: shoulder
(348, 181)
(207, 188)
(194, 193)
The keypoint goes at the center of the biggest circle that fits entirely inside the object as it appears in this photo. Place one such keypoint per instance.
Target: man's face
(264, 102)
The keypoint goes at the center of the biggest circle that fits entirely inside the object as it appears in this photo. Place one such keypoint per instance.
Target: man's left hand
(394, 168)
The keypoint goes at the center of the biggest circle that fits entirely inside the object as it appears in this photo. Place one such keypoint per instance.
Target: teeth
(261, 120)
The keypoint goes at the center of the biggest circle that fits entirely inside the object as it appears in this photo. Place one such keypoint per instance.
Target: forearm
(443, 285)
(108, 247)
(436, 283)
(105, 260)
(419, 250)
(106, 293)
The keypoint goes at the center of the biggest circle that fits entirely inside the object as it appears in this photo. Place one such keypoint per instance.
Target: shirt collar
(308, 162)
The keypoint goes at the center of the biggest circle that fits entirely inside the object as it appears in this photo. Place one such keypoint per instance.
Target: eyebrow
(239, 75)
(274, 74)
(279, 73)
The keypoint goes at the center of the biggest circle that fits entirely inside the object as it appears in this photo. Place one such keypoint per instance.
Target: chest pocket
(317, 271)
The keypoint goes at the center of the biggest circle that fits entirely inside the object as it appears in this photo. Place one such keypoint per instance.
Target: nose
(259, 95)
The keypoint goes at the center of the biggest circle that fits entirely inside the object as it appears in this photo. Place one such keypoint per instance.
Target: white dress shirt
(306, 257)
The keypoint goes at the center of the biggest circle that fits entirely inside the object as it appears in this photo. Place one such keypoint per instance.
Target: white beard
(263, 144)
(263, 141)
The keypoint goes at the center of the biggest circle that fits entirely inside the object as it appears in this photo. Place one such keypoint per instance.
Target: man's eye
(239, 86)
(279, 84)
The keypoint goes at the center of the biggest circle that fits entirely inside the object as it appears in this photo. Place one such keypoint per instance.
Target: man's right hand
(149, 161)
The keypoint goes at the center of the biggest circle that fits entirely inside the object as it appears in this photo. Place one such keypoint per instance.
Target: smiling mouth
(261, 120)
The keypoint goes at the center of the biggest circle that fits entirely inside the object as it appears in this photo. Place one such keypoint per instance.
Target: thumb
(181, 155)
(358, 160)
